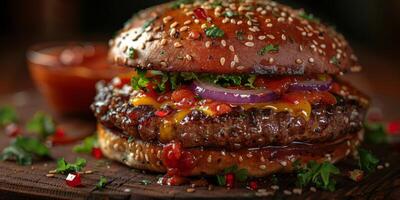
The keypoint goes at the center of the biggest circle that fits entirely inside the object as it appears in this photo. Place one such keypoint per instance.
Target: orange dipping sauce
(66, 73)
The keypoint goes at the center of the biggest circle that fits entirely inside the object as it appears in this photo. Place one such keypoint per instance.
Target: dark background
(371, 26)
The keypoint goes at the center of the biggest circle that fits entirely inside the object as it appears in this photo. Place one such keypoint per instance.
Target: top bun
(231, 37)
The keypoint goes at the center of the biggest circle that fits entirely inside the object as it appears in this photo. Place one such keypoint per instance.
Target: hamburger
(215, 84)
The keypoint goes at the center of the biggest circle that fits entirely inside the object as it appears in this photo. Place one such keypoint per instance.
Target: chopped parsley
(87, 145)
(145, 182)
(335, 61)
(41, 124)
(176, 4)
(214, 32)
(102, 183)
(309, 17)
(319, 175)
(239, 35)
(23, 150)
(240, 174)
(148, 23)
(230, 14)
(131, 52)
(267, 49)
(140, 81)
(64, 168)
(7, 115)
(367, 161)
(216, 3)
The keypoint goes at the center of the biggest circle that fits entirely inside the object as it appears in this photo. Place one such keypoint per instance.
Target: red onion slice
(311, 85)
(236, 96)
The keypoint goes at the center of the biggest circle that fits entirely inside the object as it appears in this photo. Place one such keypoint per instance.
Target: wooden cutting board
(30, 182)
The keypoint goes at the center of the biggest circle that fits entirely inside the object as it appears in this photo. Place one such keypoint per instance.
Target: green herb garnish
(239, 35)
(267, 49)
(24, 149)
(317, 174)
(216, 3)
(335, 61)
(131, 52)
(176, 4)
(140, 81)
(230, 14)
(367, 161)
(214, 32)
(309, 17)
(87, 145)
(240, 174)
(102, 183)
(41, 124)
(145, 182)
(7, 115)
(148, 23)
(64, 168)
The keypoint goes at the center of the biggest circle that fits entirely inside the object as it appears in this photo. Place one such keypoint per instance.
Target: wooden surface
(21, 182)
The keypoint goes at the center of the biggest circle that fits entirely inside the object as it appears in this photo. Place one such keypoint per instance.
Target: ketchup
(178, 162)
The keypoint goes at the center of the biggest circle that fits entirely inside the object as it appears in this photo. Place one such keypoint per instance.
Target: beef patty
(237, 129)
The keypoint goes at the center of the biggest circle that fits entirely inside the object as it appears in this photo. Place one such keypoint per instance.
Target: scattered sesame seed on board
(190, 190)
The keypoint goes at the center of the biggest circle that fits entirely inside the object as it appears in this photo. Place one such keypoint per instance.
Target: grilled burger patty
(234, 130)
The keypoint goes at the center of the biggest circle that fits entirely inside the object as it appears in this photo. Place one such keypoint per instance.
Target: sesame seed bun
(258, 162)
(260, 37)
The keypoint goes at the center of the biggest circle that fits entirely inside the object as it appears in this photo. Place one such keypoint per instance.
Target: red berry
(12, 130)
(229, 179)
(200, 13)
(60, 133)
(73, 180)
(253, 185)
(96, 153)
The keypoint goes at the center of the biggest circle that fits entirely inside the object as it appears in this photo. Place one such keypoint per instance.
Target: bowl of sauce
(66, 73)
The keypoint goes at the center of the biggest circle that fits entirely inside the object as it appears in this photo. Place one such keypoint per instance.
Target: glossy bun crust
(172, 37)
(258, 162)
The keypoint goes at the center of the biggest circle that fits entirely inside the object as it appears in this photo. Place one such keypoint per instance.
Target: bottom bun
(258, 161)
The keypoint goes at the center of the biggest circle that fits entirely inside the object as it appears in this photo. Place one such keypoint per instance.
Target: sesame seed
(297, 191)
(209, 158)
(233, 64)
(299, 61)
(177, 44)
(249, 23)
(167, 19)
(261, 37)
(187, 22)
(163, 42)
(233, 21)
(379, 167)
(250, 37)
(249, 44)
(275, 187)
(252, 29)
(270, 36)
(263, 167)
(283, 37)
(262, 159)
(225, 20)
(157, 28)
(264, 12)
(50, 175)
(283, 163)
(269, 25)
(240, 159)
(184, 28)
(188, 57)
(281, 19)
(208, 44)
(222, 61)
(190, 190)
(287, 192)
(189, 13)
(173, 25)
(231, 48)
(223, 43)
(313, 189)
(240, 68)
(172, 32)
(323, 46)
(311, 60)
(271, 60)
(203, 26)
(239, 22)
(387, 164)
(236, 58)
(88, 172)
(267, 20)
(127, 190)
(196, 21)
